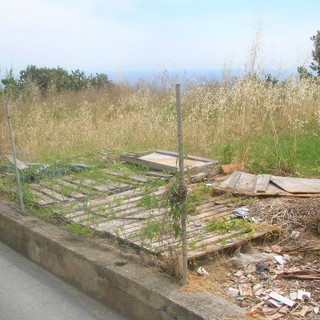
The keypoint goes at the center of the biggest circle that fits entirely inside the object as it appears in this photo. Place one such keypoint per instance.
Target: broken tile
(228, 168)
(304, 311)
(258, 292)
(245, 289)
(239, 273)
(233, 292)
(276, 249)
(281, 298)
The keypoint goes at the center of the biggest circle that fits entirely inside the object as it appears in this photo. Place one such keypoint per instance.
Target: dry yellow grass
(144, 117)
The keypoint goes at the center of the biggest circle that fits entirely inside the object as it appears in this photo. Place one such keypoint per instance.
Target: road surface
(28, 292)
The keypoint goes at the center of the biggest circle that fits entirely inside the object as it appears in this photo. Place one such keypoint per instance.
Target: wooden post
(184, 280)
(14, 157)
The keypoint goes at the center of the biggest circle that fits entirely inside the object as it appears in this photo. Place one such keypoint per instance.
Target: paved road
(28, 292)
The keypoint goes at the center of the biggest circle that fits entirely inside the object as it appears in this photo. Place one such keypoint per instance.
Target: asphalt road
(28, 292)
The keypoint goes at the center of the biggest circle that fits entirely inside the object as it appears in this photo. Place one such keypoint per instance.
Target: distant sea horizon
(198, 75)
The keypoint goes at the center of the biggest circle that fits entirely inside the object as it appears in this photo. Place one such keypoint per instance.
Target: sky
(132, 35)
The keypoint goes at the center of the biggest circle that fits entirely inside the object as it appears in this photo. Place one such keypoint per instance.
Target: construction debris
(167, 161)
(20, 164)
(268, 185)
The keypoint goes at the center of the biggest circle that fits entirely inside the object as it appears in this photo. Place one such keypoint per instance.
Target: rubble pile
(273, 285)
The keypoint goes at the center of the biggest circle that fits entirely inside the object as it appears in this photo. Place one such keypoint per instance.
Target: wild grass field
(271, 127)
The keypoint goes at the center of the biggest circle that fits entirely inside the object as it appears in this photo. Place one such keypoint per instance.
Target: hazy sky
(123, 35)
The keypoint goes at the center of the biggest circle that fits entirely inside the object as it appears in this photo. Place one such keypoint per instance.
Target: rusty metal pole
(14, 157)
(184, 280)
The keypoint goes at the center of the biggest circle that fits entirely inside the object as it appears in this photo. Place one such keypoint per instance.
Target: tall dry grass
(221, 120)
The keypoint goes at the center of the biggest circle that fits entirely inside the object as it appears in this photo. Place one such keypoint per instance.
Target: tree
(315, 65)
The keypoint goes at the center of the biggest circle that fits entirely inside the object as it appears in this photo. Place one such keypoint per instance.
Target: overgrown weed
(267, 126)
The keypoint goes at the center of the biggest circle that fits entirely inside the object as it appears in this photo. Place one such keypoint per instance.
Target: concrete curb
(120, 283)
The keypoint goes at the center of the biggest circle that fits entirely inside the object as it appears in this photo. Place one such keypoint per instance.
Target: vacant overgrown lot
(270, 127)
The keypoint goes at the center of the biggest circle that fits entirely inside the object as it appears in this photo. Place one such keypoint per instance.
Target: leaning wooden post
(182, 188)
(14, 157)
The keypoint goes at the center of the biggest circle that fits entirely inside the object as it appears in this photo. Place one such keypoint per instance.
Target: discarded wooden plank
(42, 199)
(57, 188)
(306, 274)
(159, 174)
(20, 164)
(50, 193)
(297, 185)
(231, 181)
(246, 182)
(167, 161)
(262, 182)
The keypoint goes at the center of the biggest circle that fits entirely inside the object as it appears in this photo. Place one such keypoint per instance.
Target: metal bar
(184, 280)
(14, 157)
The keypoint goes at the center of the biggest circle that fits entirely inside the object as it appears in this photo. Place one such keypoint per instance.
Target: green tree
(315, 65)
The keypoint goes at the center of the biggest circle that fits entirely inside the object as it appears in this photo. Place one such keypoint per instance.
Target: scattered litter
(202, 271)
(303, 295)
(245, 289)
(243, 260)
(233, 292)
(293, 295)
(279, 297)
(198, 223)
(243, 213)
(280, 260)
(316, 310)
(275, 303)
(295, 234)
(20, 164)
(261, 268)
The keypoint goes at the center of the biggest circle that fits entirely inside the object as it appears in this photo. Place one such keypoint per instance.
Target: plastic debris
(261, 268)
(280, 260)
(202, 271)
(302, 295)
(243, 213)
(198, 224)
